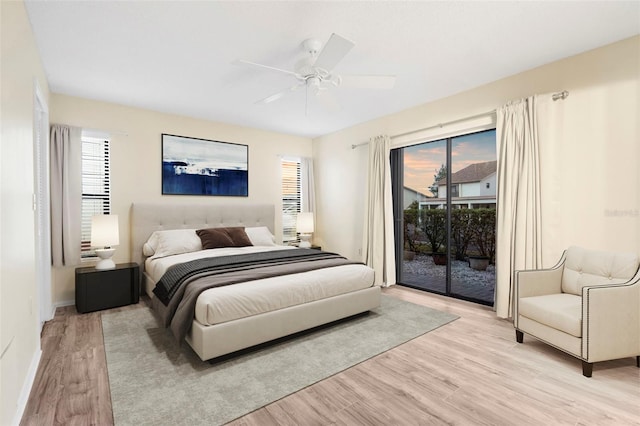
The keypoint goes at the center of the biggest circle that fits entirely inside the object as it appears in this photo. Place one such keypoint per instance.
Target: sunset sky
(422, 162)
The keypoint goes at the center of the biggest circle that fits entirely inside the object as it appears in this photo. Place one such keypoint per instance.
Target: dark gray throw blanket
(181, 285)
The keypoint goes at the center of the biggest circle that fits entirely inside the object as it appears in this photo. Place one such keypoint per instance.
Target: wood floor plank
(366, 412)
(301, 409)
(470, 371)
(256, 418)
(46, 386)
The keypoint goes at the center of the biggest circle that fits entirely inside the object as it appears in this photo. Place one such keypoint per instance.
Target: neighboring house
(410, 195)
(472, 187)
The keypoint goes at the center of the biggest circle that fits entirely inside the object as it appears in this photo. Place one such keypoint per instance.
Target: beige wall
(597, 181)
(20, 340)
(136, 162)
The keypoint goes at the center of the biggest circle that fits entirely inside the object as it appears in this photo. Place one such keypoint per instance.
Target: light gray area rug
(154, 381)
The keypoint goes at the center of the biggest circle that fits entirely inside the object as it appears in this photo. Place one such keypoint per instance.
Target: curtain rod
(556, 96)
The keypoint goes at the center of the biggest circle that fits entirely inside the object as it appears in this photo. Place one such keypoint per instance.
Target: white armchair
(588, 305)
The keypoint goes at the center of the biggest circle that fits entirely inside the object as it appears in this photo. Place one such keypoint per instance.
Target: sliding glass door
(444, 206)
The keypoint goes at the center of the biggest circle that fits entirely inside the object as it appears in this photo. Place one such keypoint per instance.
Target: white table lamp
(304, 226)
(105, 234)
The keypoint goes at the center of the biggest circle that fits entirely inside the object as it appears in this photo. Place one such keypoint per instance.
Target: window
(291, 199)
(96, 189)
(454, 190)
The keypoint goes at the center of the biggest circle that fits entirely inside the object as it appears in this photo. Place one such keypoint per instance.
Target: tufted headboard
(149, 217)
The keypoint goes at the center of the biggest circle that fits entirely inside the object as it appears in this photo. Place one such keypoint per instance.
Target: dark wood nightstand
(107, 288)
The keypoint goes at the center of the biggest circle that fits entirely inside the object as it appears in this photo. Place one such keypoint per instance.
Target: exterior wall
(409, 196)
(473, 189)
(136, 163)
(470, 189)
(19, 319)
(442, 191)
(598, 149)
(491, 180)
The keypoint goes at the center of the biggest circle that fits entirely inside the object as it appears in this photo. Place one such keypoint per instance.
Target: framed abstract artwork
(192, 166)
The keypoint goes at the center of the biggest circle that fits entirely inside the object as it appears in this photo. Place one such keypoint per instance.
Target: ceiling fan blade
(333, 52)
(280, 94)
(368, 81)
(253, 64)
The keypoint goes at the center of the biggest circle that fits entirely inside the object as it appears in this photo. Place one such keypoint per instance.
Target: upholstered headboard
(149, 217)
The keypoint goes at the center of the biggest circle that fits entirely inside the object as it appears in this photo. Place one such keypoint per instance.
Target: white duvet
(227, 303)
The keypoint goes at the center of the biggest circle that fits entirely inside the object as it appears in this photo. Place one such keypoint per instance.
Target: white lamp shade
(304, 223)
(104, 230)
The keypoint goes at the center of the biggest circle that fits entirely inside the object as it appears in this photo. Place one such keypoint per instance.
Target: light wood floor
(469, 372)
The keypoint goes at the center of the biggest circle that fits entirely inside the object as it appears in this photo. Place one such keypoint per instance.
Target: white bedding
(227, 303)
(157, 266)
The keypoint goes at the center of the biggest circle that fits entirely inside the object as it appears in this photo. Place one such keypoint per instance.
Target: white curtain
(66, 194)
(519, 219)
(378, 239)
(307, 185)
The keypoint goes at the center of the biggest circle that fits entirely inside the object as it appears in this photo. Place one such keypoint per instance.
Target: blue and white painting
(193, 166)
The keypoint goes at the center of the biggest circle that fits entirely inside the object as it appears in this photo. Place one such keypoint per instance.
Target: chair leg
(520, 337)
(587, 368)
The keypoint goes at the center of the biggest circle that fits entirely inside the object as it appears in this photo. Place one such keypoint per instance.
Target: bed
(228, 318)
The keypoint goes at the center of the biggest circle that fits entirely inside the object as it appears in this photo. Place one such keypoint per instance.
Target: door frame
(41, 206)
(397, 184)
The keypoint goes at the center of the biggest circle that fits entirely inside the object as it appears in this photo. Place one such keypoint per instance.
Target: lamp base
(105, 261)
(305, 241)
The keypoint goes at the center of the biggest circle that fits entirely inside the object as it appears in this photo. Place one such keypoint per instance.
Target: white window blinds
(291, 199)
(96, 186)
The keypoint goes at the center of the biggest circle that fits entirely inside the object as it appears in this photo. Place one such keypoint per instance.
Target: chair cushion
(560, 311)
(584, 267)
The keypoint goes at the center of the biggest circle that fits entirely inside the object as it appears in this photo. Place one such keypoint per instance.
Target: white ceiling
(176, 56)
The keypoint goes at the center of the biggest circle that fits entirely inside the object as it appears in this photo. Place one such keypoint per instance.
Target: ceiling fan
(314, 71)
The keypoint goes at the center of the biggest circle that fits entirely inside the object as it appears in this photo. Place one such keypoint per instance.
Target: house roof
(472, 173)
(415, 191)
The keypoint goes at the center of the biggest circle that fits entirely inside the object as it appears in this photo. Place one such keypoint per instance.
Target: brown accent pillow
(239, 236)
(223, 237)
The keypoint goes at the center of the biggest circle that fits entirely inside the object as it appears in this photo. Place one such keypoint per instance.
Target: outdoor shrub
(432, 224)
(410, 219)
(472, 230)
(461, 231)
(483, 226)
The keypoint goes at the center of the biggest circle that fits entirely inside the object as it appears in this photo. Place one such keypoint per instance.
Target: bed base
(212, 341)
(216, 340)
(221, 339)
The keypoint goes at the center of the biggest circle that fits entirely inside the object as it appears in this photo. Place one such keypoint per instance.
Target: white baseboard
(26, 388)
(33, 369)
(52, 313)
(62, 303)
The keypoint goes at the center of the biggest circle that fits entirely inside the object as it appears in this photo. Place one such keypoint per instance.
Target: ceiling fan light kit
(314, 71)
(312, 46)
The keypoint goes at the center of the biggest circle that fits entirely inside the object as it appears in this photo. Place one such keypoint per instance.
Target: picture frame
(194, 166)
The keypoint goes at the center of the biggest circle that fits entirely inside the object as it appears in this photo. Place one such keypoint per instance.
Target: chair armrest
(611, 321)
(538, 282)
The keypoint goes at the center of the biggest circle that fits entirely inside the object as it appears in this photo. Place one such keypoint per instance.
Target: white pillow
(149, 248)
(175, 241)
(260, 236)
